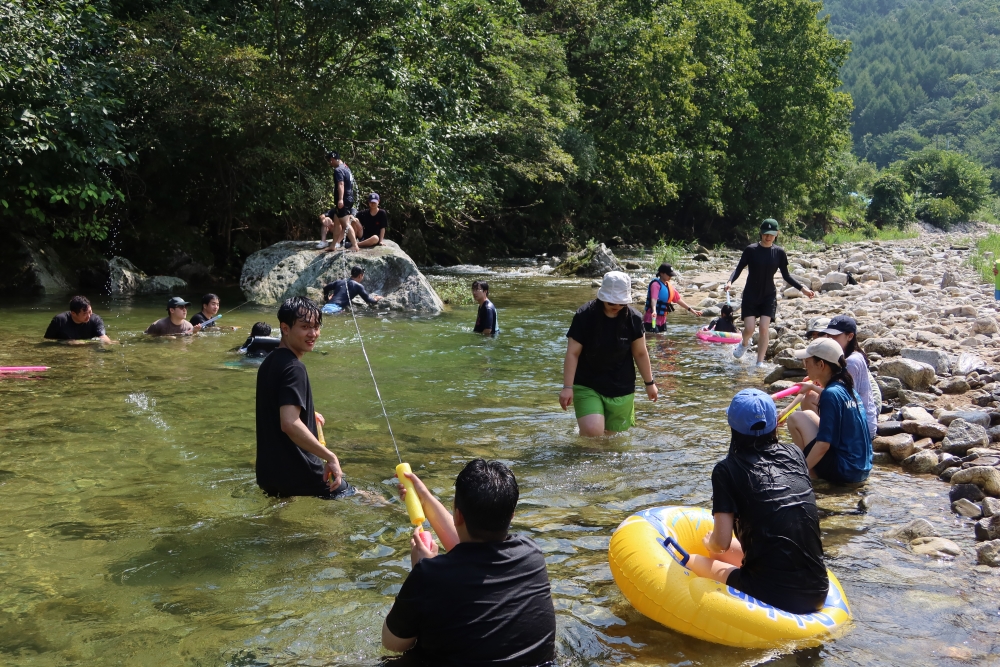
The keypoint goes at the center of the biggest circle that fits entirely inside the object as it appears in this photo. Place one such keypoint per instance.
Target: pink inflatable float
(710, 336)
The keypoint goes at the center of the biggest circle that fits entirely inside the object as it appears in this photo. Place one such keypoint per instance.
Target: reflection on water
(134, 532)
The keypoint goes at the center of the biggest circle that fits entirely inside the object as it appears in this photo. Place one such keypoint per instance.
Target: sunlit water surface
(134, 533)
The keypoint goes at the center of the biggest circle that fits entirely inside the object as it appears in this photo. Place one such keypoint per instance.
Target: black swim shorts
(767, 308)
(347, 210)
(826, 467)
(790, 601)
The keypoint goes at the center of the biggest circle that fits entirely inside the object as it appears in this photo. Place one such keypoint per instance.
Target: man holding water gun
(486, 601)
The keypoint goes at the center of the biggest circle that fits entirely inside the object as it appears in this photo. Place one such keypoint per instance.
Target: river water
(134, 534)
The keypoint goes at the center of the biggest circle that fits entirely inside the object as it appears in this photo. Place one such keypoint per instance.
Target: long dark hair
(852, 347)
(840, 374)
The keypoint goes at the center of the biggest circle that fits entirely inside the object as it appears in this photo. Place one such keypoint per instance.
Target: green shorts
(619, 412)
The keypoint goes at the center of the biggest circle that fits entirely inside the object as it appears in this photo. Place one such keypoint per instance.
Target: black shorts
(766, 308)
(826, 467)
(801, 603)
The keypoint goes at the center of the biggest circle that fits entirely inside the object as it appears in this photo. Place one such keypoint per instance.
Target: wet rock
(925, 429)
(889, 387)
(915, 413)
(972, 416)
(988, 528)
(913, 530)
(292, 268)
(920, 463)
(701, 257)
(632, 265)
(947, 474)
(871, 501)
(991, 506)
(966, 508)
(900, 441)
(891, 427)
(963, 436)
(923, 443)
(935, 546)
(589, 263)
(986, 478)
(914, 375)
(886, 347)
(988, 553)
(937, 359)
(882, 459)
(968, 491)
(993, 433)
(901, 449)
(124, 279)
(946, 461)
(955, 385)
(162, 285)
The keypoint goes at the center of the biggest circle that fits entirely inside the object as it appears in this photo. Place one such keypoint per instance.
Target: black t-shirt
(486, 318)
(343, 175)
(482, 603)
(283, 468)
(761, 264)
(201, 317)
(722, 324)
(62, 327)
(372, 224)
(606, 363)
(337, 292)
(768, 489)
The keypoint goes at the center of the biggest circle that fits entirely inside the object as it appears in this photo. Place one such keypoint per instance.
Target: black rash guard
(337, 292)
(761, 264)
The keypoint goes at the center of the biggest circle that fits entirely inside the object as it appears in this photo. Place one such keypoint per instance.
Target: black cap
(332, 155)
(841, 324)
(769, 226)
(176, 302)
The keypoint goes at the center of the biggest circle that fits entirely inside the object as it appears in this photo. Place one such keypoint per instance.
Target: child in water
(726, 321)
(661, 295)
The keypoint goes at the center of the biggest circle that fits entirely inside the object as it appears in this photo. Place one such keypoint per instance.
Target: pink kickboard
(23, 369)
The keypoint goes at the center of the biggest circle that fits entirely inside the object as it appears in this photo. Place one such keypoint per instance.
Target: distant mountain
(922, 72)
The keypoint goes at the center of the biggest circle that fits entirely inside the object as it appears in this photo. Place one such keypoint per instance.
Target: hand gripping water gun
(210, 321)
(413, 506)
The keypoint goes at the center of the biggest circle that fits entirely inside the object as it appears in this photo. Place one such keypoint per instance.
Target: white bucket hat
(616, 288)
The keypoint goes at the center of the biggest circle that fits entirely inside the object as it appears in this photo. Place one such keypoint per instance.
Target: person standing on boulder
(338, 219)
(760, 299)
(606, 343)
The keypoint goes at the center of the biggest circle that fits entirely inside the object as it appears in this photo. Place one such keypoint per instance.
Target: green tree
(938, 174)
(890, 205)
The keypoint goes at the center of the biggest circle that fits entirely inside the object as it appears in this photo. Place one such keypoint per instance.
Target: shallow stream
(134, 533)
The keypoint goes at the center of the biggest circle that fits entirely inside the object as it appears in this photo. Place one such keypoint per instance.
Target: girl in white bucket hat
(606, 344)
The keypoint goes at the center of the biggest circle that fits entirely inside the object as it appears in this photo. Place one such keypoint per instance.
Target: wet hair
(840, 373)
(486, 494)
(208, 298)
(727, 312)
(78, 304)
(356, 271)
(261, 329)
(481, 284)
(299, 308)
(742, 441)
(667, 269)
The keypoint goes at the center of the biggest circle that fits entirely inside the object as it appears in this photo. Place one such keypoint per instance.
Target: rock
(961, 311)
(920, 463)
(588, 263)
(988, 528)
(963, 436)
(887, 347)
(882, 458)
(913, 374)
(162, 285)
(966, 508)
(925, 429)
(967, 491)
(915, 413)
(946, 461)
(886, 443)
(988, 553)
(913, 530)
(889, 428)
(31, 267)
(991, 506)
(972, 416)
(986, 478)
(935, 546)
(710, 311)
(872, 500)
(786, 359)
(907, 396)
(948, 280)
(835, 278)
(947, 474)
(700, 257)
(290, 268)
(888, 386)
(775, 375)
(791, 293)
(937, 359)
(985, 325)
(632, 265)
(994, 433)
(124, 279)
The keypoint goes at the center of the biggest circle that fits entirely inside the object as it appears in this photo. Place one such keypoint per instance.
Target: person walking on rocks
(760, 299)
(338, 219)
(606, 343)
(661, 296)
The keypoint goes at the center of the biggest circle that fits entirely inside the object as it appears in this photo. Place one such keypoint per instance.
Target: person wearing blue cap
(763, 492)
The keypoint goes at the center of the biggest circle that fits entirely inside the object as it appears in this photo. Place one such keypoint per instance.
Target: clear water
(134, 534)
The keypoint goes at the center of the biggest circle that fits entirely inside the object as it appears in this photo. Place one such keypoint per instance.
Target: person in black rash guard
(290, 459)
(760, 299)
(486, 318)
(78, 324)
(488, 600)
(762, 489)
(259, 343)
(724, 322)
(340, 292)
(209, 309)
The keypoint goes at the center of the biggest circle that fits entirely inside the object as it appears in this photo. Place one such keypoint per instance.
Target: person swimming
(726, 321)
(259, 343)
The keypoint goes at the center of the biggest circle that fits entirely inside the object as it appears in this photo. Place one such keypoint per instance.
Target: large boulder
(124, 279)
(886, 347)
(986, 478)
(31, 267)
(914, 375)
(592, 262)
(963, 436)
(935, 358)
(297, 268)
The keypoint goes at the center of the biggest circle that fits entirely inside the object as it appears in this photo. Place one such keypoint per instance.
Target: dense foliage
(488, 127)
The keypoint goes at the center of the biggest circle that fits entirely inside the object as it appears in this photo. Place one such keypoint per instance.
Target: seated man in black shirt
(337, 294)
(78, 324)
(485, 602)
(370, 225)
(762, 489)
(290, 458)
(486, 318)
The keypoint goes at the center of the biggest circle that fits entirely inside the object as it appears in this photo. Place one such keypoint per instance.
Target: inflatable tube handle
(668, 543)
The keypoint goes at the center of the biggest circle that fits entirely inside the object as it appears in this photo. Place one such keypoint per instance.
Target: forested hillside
(922, 73)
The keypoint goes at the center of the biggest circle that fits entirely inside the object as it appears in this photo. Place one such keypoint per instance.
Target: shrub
(941, 213)
(890, 205)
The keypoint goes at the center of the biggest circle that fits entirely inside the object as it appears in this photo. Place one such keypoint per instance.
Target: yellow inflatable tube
(654, 581)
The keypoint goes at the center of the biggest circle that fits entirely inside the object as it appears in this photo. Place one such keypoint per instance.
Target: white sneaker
(739, 350)
(760, 364)
(321, 244)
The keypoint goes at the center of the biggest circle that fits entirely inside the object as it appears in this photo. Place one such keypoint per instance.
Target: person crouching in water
(661, 296)
(726, 321)
(485, 602)
(763, 492)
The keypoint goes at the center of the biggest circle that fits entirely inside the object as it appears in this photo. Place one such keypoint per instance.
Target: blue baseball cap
(752, 412)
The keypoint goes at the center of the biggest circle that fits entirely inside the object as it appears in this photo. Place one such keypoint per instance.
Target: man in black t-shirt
(370, 225)
(78, 324)
(209, 308)
(485, 602)
(338, 218)
(486, 318)
(762, 490)
(290, 457)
